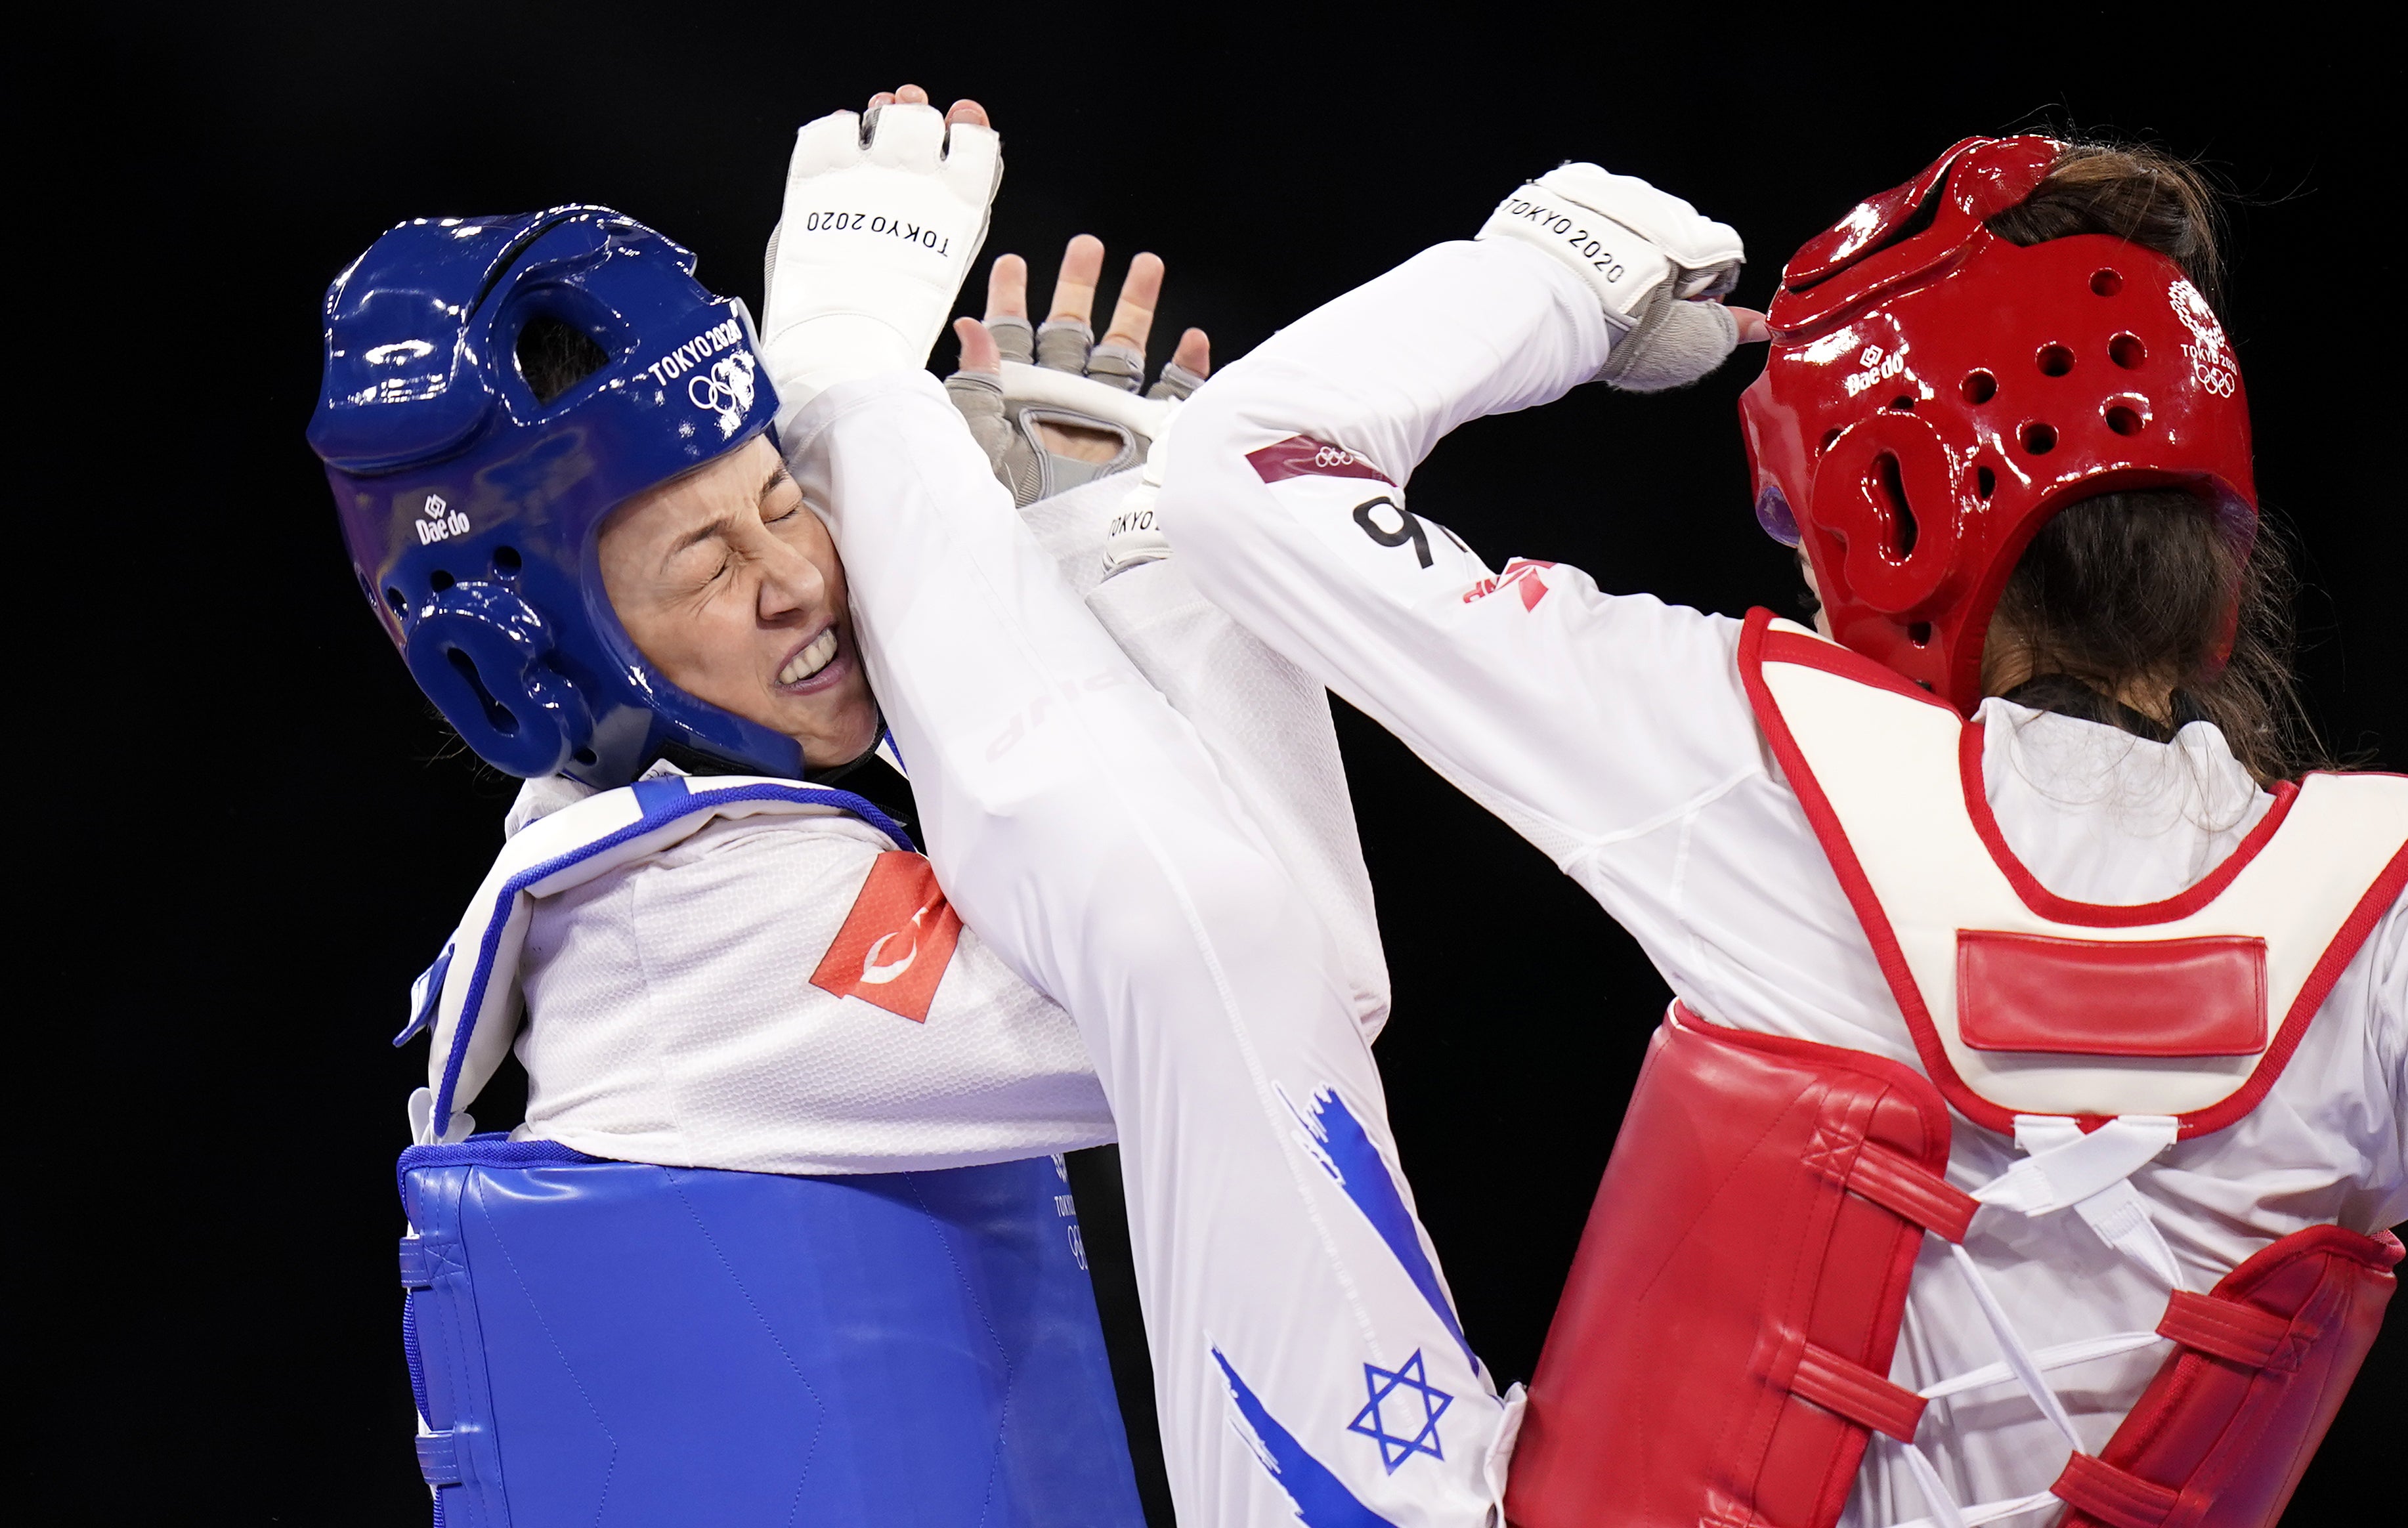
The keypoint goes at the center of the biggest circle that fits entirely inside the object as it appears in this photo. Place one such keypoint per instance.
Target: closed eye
(778, 485)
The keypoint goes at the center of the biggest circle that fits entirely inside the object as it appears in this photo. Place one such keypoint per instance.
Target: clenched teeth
(808, 662)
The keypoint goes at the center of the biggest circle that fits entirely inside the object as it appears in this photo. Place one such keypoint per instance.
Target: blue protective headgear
(470, 506)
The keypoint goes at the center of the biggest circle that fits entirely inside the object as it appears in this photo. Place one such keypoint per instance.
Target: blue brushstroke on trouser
(1321, 1500)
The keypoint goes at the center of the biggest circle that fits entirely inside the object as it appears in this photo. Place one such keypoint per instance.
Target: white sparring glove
(883, 216)
(1644, 252)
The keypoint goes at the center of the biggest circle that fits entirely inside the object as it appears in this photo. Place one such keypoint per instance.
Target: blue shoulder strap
(472, 1005)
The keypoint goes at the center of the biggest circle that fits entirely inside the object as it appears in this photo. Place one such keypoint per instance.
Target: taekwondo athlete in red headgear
(776, 1196)
(2023, 1135)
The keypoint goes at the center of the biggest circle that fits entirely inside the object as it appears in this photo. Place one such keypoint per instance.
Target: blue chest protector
(619, 1345)
(598, 1342)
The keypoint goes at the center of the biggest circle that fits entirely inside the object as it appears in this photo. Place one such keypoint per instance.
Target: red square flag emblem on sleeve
(896, 941)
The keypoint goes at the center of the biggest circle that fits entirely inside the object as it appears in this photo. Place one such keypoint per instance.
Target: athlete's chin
(835, 728)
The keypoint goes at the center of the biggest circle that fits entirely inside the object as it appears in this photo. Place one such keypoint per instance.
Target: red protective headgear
(1934, 396)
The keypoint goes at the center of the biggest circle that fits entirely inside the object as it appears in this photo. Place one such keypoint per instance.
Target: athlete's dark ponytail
(2144, 593)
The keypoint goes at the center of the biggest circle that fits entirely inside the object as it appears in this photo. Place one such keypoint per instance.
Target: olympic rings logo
(726, 390)
(713, 391)
(1332, 456)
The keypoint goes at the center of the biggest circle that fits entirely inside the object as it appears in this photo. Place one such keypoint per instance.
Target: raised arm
(1570, 713)
(1081, 825)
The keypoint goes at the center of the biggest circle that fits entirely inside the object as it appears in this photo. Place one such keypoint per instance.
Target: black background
(244, 837)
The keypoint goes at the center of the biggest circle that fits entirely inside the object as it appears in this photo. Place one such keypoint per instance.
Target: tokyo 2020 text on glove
(884, 213)
(1647, 253)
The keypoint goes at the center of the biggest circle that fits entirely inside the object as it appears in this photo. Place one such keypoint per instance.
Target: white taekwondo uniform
(1308, 1359)
(1615, 733)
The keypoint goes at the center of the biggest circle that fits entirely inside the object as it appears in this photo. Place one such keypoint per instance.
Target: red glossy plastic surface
(1930, 400)
(2221, 1435)
(1724, 1340)
(1867, 244)
(2105, 997)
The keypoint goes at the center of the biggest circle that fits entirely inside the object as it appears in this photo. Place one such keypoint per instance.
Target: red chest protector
(1721, 1355)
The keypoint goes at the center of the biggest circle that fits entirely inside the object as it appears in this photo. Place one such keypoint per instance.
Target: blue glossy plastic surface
(470, 506)
(604, 1343)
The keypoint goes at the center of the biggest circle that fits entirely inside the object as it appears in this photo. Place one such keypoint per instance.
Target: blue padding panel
(611, 1345)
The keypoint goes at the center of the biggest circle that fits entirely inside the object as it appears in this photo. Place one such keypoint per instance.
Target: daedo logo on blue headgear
(726, 389)
(438, 522)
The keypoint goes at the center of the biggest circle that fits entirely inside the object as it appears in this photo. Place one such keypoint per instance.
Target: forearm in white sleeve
(1571, 714)
(1458, 333)
(1305, 1347)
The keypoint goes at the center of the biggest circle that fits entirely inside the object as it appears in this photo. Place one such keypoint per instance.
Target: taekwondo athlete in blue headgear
(783, 1239)
(470, 502)
(746, 985)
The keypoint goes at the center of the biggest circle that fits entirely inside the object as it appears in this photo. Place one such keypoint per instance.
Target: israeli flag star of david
(1402, 1413)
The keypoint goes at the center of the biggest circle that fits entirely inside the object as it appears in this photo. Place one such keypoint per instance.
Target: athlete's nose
(791, 585)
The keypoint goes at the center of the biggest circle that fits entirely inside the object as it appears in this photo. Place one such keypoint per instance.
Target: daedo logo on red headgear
(895, 942)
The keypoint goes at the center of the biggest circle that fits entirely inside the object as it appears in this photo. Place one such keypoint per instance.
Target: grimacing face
(734, 592)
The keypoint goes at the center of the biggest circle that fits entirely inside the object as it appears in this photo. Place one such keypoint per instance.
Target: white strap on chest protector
(2064, 1169)
(2091, 1175)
